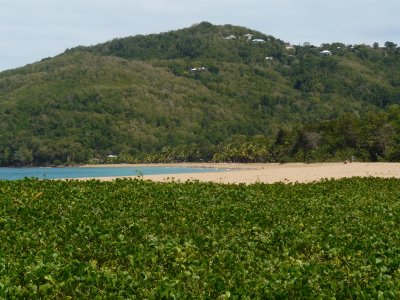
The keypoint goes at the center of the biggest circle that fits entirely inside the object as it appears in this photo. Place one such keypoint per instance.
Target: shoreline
(242, 173)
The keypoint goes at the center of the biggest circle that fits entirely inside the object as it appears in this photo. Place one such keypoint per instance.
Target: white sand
(270, 173)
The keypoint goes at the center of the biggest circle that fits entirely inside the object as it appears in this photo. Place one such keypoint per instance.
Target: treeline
(373, 137)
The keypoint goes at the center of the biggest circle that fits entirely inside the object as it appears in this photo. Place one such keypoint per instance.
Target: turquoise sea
(83, 172)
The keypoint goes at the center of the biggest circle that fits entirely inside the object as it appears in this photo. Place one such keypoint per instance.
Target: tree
(390, 46)
(23, 155)
(6, 156)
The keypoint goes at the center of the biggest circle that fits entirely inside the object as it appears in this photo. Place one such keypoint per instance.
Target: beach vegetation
(335, 239)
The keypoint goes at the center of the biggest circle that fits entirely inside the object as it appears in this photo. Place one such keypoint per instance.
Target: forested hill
(201, 93)
(202, 41)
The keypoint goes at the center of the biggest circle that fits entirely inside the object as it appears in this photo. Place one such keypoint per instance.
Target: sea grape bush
(139, 239)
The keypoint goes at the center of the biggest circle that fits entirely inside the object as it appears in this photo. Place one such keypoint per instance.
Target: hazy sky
(34, 29)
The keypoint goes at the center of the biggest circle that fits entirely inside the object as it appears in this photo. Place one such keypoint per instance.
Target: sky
(31, 30)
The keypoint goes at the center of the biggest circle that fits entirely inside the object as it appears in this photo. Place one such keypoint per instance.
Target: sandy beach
(270, 173)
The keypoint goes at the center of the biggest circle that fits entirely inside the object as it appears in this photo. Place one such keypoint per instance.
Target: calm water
(58, 173)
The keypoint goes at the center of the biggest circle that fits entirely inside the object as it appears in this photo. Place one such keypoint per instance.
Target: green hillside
(204, 92)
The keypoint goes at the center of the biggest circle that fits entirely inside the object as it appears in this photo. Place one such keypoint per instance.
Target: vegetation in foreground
(139, 239)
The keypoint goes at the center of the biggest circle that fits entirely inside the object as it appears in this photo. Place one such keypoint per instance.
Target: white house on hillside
(198, 69)
(325, 53)
(248, 36)
(289, 46)
(231, 37)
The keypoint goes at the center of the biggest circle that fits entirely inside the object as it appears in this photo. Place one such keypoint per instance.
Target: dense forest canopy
(223, 93)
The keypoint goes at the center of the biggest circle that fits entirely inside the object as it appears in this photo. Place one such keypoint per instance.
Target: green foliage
(242, 149)
(138, 239)
(373, 137)
(199, 41)
(186, 94)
